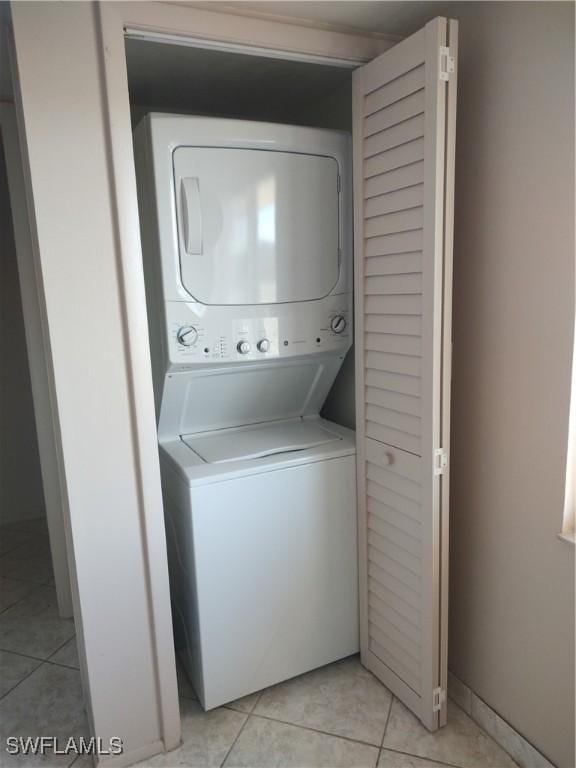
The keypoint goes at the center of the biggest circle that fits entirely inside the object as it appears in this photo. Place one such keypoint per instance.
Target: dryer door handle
(191, 215)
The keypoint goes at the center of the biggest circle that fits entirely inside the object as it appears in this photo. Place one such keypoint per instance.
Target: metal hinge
(438, 699)
(440, 461)
(447, 63)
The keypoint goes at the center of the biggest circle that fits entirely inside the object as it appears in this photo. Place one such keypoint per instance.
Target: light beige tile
(398, 760)
(517, 747)
(460, 742)
(31, 562)
(206, 737)
(48, 703)
(33, 626)
(268, 744)
(12, 591)
(343, 699)
(67, 655)
(246, 703)
(13, 669)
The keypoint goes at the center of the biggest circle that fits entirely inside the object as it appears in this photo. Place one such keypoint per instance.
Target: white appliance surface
(263, 573)
(181, 462)
(203, 400)
(256, 226)
(268, 179)
(259, 441)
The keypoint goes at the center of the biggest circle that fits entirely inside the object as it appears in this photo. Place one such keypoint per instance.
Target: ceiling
(397, 18)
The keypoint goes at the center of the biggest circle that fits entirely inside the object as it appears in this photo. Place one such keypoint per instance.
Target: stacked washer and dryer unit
(247, 249)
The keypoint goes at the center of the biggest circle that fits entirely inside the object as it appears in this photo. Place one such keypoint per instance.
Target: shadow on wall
(21, 493)
(341, 403)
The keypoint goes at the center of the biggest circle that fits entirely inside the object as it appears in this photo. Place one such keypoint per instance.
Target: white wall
(512, 580)
(21, 494)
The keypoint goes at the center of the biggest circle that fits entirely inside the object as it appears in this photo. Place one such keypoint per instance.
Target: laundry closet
(247, 251)
(245, 169)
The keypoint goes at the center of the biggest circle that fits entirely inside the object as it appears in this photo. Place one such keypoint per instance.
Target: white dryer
(247, 253)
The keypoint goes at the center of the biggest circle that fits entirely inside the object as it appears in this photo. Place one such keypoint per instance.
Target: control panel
(199, 334)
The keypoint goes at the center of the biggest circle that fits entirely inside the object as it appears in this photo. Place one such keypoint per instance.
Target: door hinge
(447, 63)
(438, 699)
(440, 461)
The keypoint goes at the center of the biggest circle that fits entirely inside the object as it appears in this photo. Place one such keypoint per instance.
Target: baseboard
(519, 749)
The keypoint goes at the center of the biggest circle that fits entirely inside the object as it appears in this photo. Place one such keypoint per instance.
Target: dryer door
(256, 226)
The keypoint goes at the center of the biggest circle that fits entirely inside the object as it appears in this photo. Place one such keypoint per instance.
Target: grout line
(260, 694)
(15, 547)
(317, 730)
(68, 666)
(41, 662)
(40, 658)
(421, 757)
(243, 711)
(25, 655)
(59, 649)
(9, 691)
(387, 721)
(235, 740)
(356, 741)
(34, 588)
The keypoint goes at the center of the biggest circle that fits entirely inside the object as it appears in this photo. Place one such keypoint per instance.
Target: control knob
(243, 347)
(187, 335)
(263, 345)
(338, 323)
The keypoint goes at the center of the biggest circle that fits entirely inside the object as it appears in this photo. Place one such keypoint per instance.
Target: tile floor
(335, 717)
(40, 691)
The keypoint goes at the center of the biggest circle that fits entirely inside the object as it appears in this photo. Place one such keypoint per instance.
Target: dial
(187, 335)
(243, 347)
(263, 345)
(338, 323)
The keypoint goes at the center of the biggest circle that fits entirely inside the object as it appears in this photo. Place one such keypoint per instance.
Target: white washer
(247, 254)
(262, 553)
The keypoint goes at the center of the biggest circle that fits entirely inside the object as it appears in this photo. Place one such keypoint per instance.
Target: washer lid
(259, 440)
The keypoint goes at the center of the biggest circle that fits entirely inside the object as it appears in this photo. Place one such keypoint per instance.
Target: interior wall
(512, 579)
(21, 493)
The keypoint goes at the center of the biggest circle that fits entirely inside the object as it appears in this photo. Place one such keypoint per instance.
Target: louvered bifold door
(404, 117)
